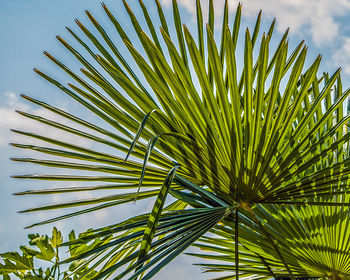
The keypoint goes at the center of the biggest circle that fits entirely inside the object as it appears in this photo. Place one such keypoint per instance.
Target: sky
(28, 27)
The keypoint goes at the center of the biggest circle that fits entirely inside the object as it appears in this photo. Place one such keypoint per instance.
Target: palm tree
(312, 239)
(219, 138)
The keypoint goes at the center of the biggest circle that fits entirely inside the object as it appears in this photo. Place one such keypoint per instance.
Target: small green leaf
(56, 239)
(14, 262)
(28, 251)
(47, 252)
(72, 248)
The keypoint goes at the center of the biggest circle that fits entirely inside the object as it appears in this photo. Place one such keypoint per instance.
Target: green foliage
(41, 259)
(246, 139)
(15, 263)
(313, 240)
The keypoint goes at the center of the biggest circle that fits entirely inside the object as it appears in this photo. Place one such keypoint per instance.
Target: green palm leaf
(312, 239)
(273, 134)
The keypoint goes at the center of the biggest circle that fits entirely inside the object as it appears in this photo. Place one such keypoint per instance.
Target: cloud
(12, 120)
(9, 118)
(93, 219)
(190, 6)
(342, 55)
(316, 18)
(182, 268)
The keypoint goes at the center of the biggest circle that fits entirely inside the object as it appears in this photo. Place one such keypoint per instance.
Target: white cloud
(182, 268)
(342, 55)
(317, 18)
(190, 6)
(11, 120)
(93, 219)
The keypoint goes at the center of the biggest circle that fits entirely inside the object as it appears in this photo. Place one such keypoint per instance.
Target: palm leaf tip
(138, 133)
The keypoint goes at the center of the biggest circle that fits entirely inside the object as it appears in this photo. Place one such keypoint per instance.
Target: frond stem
(266, 265)
(271, 241)
(236, 244)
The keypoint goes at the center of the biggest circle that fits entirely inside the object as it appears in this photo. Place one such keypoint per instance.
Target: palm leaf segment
(312, 239)
(271, 131)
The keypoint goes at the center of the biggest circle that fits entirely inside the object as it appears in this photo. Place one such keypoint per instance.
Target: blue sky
(27, 27)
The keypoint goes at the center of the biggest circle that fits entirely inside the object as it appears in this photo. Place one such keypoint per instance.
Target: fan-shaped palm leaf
(266, 132)
(313, 240)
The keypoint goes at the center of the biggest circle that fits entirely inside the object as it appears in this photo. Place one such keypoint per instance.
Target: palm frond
(311, 238)
(270, 131)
